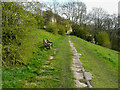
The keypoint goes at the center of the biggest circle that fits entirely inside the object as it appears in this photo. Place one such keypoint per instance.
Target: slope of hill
(100, 61)
(41, 71)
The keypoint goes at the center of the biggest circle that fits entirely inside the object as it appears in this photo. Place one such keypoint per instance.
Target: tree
(97, 16)
(103, 39)
(74, 11)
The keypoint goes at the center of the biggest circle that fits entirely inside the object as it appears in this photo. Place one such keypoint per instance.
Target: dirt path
(82, 78)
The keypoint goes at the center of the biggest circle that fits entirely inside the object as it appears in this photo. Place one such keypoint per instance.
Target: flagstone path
(82, 78)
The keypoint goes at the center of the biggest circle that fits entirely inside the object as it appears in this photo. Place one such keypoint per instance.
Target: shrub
(62, 30)
(52, 27)
(103, 39)
(89, 37)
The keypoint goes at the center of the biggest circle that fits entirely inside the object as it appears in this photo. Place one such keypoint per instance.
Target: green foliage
(103, 39)
(52, 27)
(12, 23)
(82, 32)
(114, 38)
(62, 30)
(16, 26)
(89, 37)
(39, 19)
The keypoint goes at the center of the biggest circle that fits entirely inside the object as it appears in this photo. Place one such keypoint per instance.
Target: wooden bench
(47, 43)
(51, 43)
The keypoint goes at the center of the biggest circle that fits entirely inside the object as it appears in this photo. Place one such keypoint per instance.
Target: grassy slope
(58, 74)
(63, 64)
(32, 39)
(101, 62)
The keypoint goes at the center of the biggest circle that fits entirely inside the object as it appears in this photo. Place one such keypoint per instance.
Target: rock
(48, 76)
(79, 54)
(51, 57)
(79, 84)
(54, 52)
(31, 83)
(76, 69)
(42, 70)
(80, 62)
(88, 75)
(79, 70)
(76, 63)
(77, 66)
(75, 57)
(78, 76)
(83, 69)
(19, 80)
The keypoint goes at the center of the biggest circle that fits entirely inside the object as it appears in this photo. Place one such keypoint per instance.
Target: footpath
(82, 78)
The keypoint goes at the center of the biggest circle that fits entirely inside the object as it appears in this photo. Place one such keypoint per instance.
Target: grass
(100, 61)
(32, 40)
(63, 61)
(41, 72)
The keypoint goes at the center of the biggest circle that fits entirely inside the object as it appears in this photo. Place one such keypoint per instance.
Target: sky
(111, 6)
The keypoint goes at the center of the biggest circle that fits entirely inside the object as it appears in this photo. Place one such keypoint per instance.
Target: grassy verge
(101, 62)
(41, 72)
(63, 62)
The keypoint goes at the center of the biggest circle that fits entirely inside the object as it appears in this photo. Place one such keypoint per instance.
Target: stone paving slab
(78, 76)
(78, 70)
(79, 84)
(88, 75)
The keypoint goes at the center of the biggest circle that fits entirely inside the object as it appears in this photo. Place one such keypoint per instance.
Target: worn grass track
(63, 64)
(101, 62)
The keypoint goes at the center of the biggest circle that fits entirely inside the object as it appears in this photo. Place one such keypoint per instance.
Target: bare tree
(97, 16)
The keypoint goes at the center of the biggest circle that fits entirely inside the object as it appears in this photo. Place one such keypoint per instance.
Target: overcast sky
(111, 6)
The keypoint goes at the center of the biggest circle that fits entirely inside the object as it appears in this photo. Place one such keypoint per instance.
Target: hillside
(100, 61)
(43, 72)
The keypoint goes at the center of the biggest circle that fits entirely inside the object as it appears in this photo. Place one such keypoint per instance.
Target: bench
(51, 43)
(47, 43)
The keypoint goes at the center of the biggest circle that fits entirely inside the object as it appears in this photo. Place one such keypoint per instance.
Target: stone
(78, 54)
(75, 57)
(79, 62)
(88, 75)
(42, 70)
(48, 76)
(78, 76)
(79, 84)
(76, 63)
(47, 62)
(77, 66)
(78, 70)
(54, 52)
(51, 57)
(31, 83)
(83, 69)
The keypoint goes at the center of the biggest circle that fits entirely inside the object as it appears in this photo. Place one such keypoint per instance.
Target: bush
(89, 37)
(103, 39)
(62, 30)
(52, 27)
